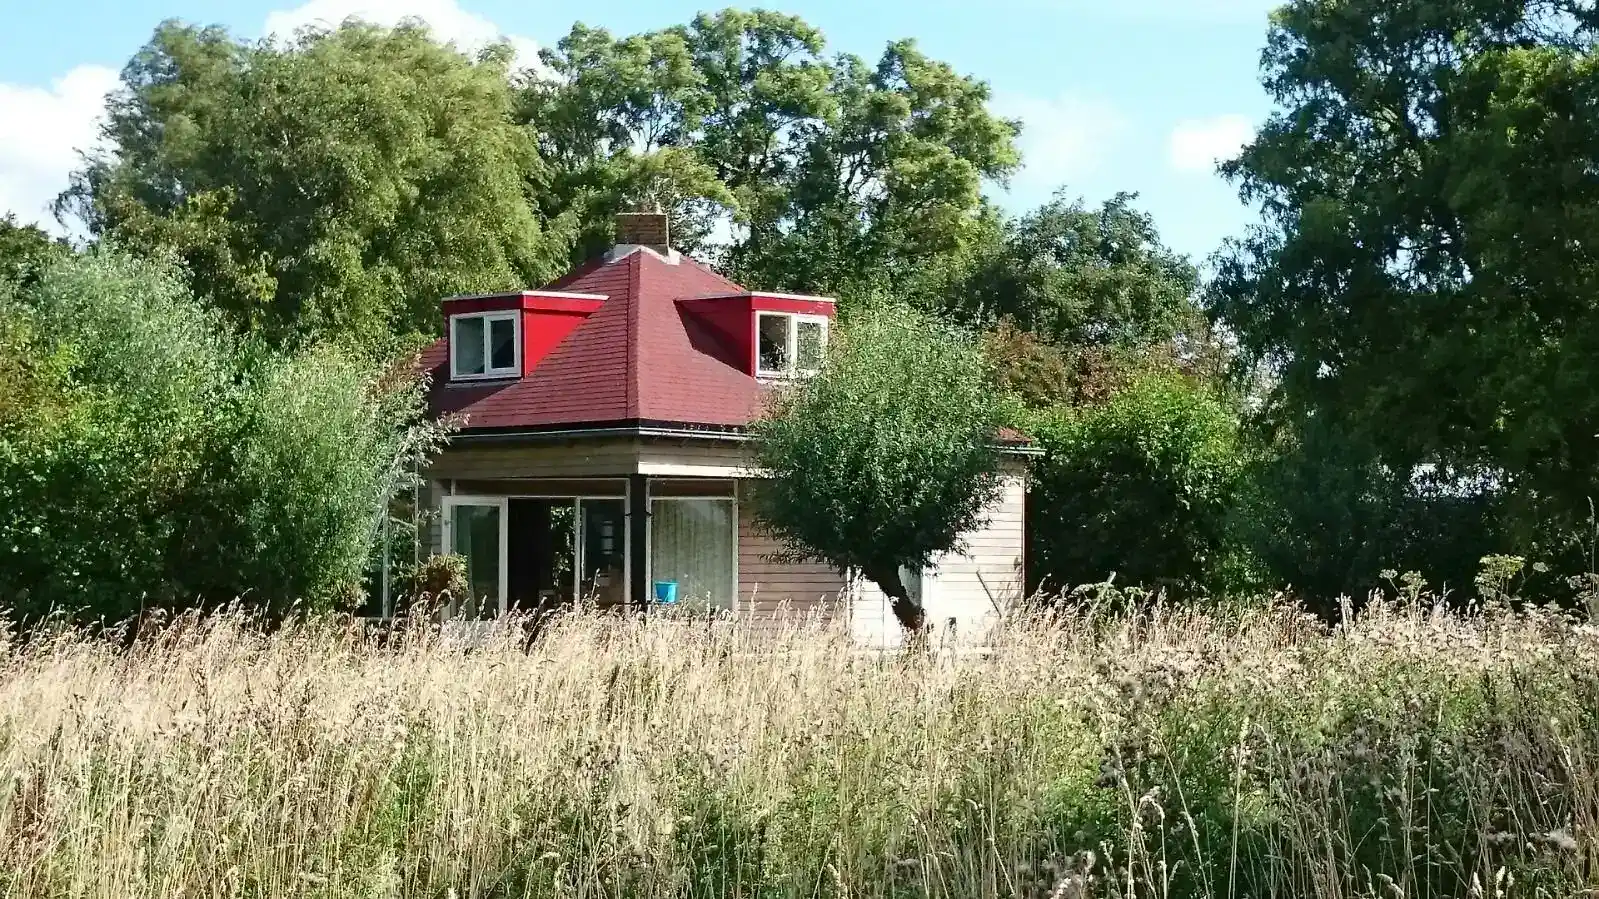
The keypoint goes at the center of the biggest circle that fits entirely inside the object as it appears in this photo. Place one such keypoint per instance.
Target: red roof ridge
(634, 365)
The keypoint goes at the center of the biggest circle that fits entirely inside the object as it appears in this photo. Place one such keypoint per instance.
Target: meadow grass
(1174, 753)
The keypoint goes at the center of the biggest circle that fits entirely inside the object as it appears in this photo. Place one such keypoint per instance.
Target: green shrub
(161, 462)
(1142, 486)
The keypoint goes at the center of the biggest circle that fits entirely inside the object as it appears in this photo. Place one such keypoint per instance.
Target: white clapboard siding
(971, 588)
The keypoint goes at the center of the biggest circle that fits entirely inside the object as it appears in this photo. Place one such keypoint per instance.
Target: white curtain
(691, 542)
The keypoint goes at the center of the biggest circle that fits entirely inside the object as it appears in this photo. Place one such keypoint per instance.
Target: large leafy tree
(1425, 280)
(884, 459)
(1083, 277)
(840, 176)
(336, 184)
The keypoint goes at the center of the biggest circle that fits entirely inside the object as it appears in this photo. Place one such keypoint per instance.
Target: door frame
(501, 503)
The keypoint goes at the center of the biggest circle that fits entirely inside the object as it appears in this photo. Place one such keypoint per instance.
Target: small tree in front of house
(885, 458)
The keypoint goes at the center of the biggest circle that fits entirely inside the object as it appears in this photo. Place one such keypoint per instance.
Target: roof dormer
(505, 335)
(770, 336)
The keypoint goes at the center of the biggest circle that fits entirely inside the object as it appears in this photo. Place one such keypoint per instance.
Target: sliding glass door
(602, 551)
(475, 529)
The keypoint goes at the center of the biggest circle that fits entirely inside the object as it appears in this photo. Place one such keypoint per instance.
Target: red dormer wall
(547, 317)
(727, 318)
(732, 319)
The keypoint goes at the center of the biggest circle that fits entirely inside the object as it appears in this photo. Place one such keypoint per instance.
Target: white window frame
(792, 370)
(515, 318)
(499, 502)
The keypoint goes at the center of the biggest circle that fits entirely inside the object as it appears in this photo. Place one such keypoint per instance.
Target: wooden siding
(591, 459)
(970, 588)
(771, 590)
(586, 459)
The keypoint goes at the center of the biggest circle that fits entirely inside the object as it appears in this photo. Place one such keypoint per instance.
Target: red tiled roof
(639, 358)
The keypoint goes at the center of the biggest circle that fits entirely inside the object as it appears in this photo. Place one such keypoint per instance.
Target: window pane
(475, 531)
(467, 346)
(502, 340)
(812, 339)
(691, 542)
(604, 528)
(773, 351)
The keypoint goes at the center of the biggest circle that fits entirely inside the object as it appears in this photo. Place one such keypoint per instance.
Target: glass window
(603, 552)
(475, 533)
(691, 543)
(483, 345)
(466, 345)
(502, 343)
(810, 344)
(773, 350)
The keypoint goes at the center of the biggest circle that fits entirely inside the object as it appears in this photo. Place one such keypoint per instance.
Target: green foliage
(842, 177)
(169, 464)
(336, 185)
(1423, 283)
(1325, 518)
(886, 457)
(1143, 486)
(1081, 277)
(25, 250)
(439, 576)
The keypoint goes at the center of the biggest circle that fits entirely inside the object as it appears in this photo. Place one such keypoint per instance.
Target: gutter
(570, 433)
(665, 433)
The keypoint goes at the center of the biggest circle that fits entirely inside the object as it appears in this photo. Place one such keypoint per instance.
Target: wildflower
(1561, 839)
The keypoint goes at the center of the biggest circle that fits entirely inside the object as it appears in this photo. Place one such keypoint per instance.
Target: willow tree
(887, 456)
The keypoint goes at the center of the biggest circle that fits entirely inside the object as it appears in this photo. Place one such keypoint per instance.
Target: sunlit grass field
(1160, 753)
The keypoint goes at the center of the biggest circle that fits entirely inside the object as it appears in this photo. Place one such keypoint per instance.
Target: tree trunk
(910, 614)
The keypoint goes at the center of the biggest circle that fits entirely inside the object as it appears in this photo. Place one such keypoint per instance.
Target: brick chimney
(644, 229)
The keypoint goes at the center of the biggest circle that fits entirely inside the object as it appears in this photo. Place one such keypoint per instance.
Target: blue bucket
(666, 592)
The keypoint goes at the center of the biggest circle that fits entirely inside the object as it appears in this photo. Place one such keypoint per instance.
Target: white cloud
(1064, 139)
(41, 131)
(1197, 145)
(447, 20)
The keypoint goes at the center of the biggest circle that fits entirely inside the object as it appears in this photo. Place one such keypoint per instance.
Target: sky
(1115, 95)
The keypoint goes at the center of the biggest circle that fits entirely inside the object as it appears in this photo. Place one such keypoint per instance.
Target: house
(604, 448)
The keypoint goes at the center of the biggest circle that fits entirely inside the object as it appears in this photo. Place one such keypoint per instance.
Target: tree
(1143, 486)
(25, 250)
(157, 461)
(842, 177)
(1424, 280)
(885, 458)
(1080, 277)
(1323, 517)
(337, 184)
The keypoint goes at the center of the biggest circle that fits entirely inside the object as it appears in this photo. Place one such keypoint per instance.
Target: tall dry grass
(1160, 754)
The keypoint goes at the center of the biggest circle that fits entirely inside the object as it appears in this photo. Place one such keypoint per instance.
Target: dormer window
(789, 345)
(485, 345)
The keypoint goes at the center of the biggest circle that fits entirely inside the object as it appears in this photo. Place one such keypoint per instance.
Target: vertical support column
(638, 529)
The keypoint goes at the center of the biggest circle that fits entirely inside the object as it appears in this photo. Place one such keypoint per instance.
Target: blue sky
(1136, 95)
